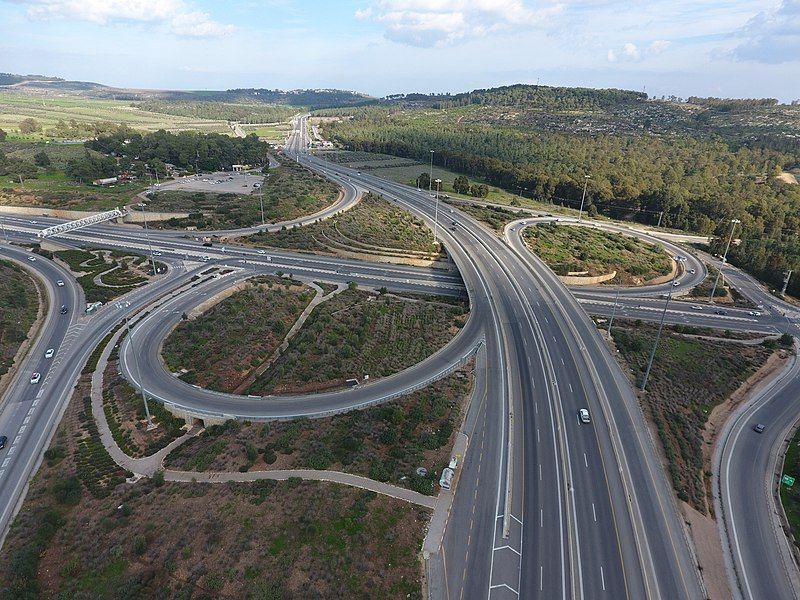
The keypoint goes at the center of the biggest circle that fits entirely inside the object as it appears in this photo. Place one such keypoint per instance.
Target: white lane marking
(35, 402)
(541, 577)
(540, 471)
(602, 579)
(541, 517)
(570, 387)
(5, 462)
(27, 419)
(594, 514)
(585, 461)
(537, 435)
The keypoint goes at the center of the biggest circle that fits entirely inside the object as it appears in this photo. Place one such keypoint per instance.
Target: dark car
(759, 428)
(3, 441)
(720, 312)
(64, 309)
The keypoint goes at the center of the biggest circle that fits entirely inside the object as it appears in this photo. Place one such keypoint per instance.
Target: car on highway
(3, 441)
(261, 251)
(36, 377)
(156, 253)
(720, 312)
(759, 427)
(64, 310)
(583, 415)
(60, 283)
(676, 283)
(49, 353)
(754, 313)
(696, 307)
(205, 258)
(32, 258)
(691, 271)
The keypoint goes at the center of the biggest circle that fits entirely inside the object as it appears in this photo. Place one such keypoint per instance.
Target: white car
(205, 258)
(156, 253)
(35, 378)
(754, 313)
(676, 283)
(60, 283)
(261, 251)
(32, 258)
(583, 414)
(697, 307)
(50, 353)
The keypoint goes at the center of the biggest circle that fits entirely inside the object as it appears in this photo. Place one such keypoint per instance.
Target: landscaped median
(19, 299)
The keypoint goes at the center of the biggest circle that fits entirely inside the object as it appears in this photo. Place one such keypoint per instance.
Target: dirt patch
(787, 178)
(707, 545)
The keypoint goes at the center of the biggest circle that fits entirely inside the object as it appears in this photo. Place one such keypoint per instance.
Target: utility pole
(436, 212)
(583, 197)
(786, 276)
(150, 425)
(261, 199)
(734, 222)
(613, 313)
(147, 235)
(430, 175)
(679, 260)
(661, 214)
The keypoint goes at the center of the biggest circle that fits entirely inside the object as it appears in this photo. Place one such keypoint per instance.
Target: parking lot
(218, 183)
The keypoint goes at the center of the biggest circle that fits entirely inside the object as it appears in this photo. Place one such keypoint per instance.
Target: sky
(722, 48)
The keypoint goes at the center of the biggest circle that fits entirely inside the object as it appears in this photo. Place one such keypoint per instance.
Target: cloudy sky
(727, 48)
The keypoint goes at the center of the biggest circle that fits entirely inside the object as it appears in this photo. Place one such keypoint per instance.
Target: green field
(48, 111)
(270, 132)
(568, 248)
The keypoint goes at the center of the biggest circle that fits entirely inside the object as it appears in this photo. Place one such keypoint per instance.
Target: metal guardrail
(79, 223)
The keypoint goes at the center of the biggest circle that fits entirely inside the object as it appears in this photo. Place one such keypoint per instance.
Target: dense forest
(185, 150)
(244, 113)
(686, 181)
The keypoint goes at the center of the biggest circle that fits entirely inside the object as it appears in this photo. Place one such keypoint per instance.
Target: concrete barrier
(573, 280)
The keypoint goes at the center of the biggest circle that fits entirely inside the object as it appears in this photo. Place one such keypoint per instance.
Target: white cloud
(772, 36)
(631, 51)
(428, 23)
(612, 56)
(658, 46)
(177, 15)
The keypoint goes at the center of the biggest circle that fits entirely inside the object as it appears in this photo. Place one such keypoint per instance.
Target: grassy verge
(154, 539)
(19, 303)
(790, 496)
(495, 217)
(223, 346)
(126, 417)
(689, 378)
(357, 333)
(373, 224)
(289, 192)
(386, 443)
(129, 271)
(567, 248)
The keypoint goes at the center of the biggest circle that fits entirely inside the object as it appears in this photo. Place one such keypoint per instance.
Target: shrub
(158, 478)
(67, 491)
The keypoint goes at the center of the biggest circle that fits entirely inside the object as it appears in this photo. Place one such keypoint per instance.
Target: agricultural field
(20, 302)
(76, 117)
(268, 539)
(386, 443)
(275, 132)
(107, 274)
(373, 225)
(690, 376)
(221, 348)
(289, 192)
(568, 248)
(357, 333)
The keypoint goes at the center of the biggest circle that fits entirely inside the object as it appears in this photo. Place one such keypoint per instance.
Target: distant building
(239, 168)
(106, 181)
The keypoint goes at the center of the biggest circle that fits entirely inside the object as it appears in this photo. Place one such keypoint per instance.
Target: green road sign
(787, 480)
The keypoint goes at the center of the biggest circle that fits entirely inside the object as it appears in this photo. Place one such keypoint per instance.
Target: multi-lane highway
(547, 506)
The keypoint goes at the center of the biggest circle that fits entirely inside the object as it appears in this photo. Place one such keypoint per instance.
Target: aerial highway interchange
(546, 506)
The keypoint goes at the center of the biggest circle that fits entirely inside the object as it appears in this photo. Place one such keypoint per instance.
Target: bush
(158, 478)
(139, 545)
(67, 491)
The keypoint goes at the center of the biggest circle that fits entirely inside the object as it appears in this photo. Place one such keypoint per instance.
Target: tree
(28, 126)
(479, 190)
(461, 185)
(423, 181)
(41, 159)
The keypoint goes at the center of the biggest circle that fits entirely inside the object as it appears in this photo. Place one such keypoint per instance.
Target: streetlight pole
(583, 197)
(724, 258)
(436, 212)
(679, 260)
(430, 175)
(3, 225)
(261, 199)
(139, 375)
(147, 235)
